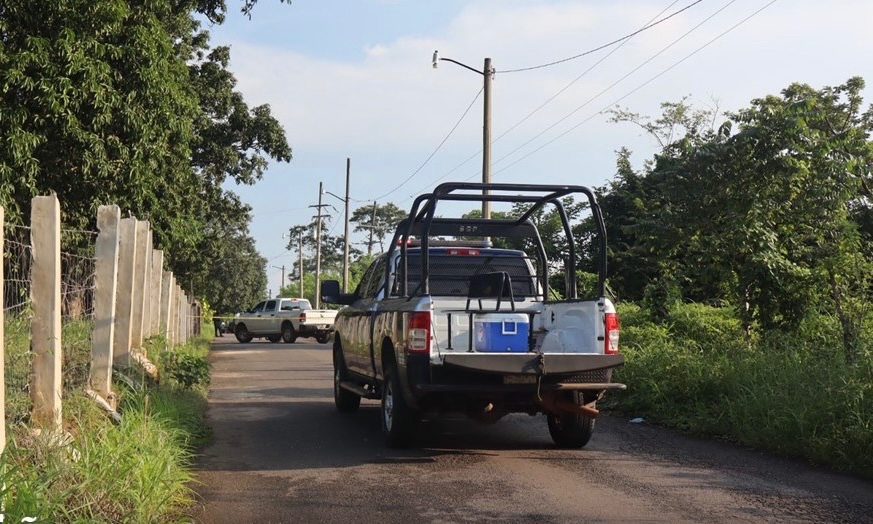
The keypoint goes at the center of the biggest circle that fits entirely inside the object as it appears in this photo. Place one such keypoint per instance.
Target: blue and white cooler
(500, 332)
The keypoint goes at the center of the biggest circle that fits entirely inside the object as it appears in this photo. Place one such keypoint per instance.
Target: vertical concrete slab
(186, 318)
(106, 283)
(139, 282)
(124, 293)
(172, 313)
(45, 295)
(147, 291)
(166, 296)
(156, 287)
(2, 343)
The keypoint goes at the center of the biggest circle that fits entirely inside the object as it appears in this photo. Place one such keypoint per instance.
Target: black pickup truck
(458, 326)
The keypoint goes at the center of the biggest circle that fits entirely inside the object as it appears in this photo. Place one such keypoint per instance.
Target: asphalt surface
(281, 453)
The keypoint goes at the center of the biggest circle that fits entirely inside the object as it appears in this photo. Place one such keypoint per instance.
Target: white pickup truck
(284, 319)
(461, 326)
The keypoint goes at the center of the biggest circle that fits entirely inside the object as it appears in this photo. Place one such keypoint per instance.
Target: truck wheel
(571, 430)
(288, 333)
(398, 420)
(345, 400)
(322, 338)
(274, 338)
(242, 334)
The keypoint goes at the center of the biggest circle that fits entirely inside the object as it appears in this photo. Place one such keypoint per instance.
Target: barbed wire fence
(78, 265)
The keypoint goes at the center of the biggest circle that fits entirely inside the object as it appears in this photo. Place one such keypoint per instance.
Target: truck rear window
(450, 273)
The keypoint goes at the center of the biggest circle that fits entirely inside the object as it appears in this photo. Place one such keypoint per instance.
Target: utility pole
(372, 227)
(346, 233)
(318, 247)
(300, 257)
(487, 73)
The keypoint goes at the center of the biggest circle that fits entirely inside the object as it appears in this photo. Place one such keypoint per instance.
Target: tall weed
(793, 393)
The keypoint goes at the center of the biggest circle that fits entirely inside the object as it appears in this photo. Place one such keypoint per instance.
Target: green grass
(790, 393)
(135, 471)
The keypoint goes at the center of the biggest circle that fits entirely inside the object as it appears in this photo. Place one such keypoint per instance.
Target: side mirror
(330, 293)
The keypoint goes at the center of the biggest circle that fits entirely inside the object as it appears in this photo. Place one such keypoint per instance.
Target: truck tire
(571, 430)
(242, 334)
(322, 338)
(345, 400)
(288, 334)
(399, 421)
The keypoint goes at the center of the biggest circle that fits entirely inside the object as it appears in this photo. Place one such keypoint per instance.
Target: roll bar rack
(423, 223)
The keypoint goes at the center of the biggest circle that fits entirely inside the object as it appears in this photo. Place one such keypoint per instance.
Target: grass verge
(139, 470)
(794, 394)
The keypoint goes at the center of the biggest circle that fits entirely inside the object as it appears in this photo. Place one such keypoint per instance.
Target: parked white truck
(461, 326)
(284, 319)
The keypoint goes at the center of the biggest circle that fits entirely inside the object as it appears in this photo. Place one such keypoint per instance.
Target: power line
(514, 126)
(582, 75)
(611, 86)
(604, 46)
(634, 90)
(435, 150)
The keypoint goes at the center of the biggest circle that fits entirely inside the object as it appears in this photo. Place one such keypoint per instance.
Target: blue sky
(353, 79)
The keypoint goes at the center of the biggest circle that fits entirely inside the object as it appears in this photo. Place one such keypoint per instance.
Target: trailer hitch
(554, 404)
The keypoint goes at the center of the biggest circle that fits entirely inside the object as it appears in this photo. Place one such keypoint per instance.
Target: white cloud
(390, 108)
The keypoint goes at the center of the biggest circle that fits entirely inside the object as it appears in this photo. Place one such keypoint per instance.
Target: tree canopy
(769, 211)
(120, 102)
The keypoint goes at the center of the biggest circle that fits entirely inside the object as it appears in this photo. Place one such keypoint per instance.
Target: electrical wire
(583, 74)
(634, 90)
(604, 46)
(611, 86)
(435, 150)
(550, 99)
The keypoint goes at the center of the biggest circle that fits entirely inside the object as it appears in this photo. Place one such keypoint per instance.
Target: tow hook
(550, 403)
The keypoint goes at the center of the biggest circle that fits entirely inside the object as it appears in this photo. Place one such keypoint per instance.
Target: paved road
(282, 454)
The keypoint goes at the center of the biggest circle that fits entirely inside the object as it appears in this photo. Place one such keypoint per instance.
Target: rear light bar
(418, 332)
(612, 331)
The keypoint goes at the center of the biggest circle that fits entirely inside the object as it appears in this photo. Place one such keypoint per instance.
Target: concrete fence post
(186, 318)
(147, 298)
(106, 283)
(156, 287)
(171, 313)
(139, 283)
(166, 292)
(178, 337)
(2, 343)
(45, 293)
(124, 295)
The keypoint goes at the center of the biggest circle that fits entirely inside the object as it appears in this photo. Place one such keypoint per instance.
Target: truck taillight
(612, 330)
(418, 332)
(302, 317)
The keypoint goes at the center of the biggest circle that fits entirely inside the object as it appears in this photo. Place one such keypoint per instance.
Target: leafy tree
(123, 102)
(378, 221)
(764, 216)
(238, 276)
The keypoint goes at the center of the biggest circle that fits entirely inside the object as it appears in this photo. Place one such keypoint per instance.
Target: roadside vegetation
(136, 470)
(789, 392)
(742, 258)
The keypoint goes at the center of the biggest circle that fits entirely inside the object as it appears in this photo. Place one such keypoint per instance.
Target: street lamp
(487, 74)
(283, 277)
(346, 233)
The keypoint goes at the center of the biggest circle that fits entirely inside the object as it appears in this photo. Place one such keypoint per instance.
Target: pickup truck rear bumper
(532, 363)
